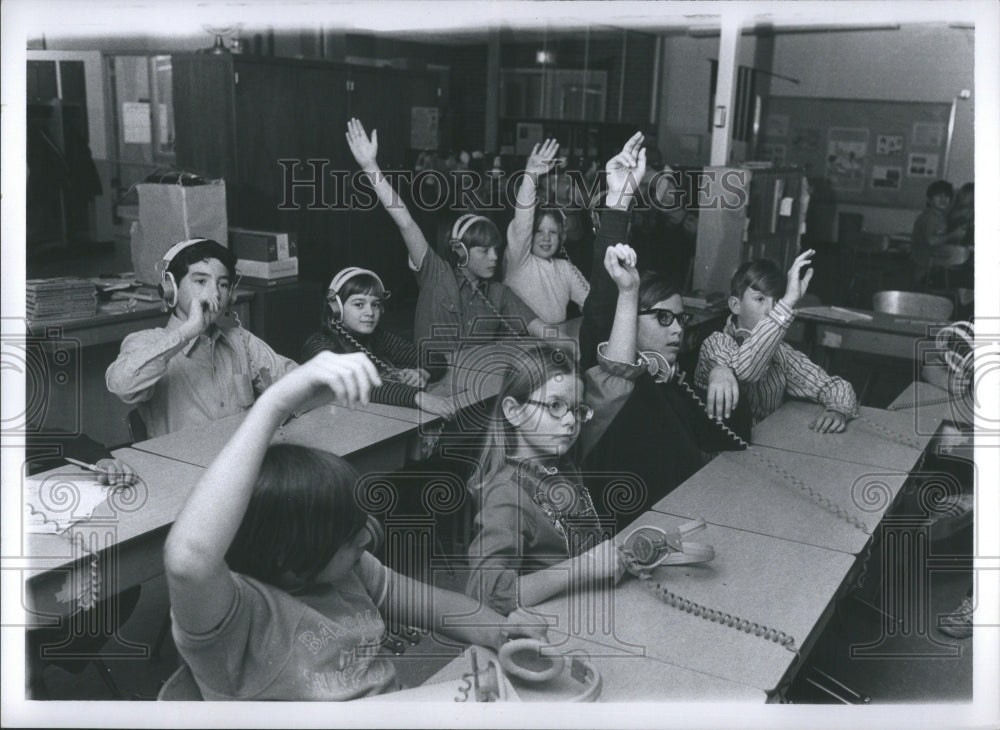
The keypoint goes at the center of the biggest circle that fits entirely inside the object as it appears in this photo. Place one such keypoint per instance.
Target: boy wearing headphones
(202, 365)
(460, 294)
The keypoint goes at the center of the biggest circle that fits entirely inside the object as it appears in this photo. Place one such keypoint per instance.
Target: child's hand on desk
(115, 473)
(829, 422)
(521, 624)
(438, 405)
(349, 378)
(723, 392)
(603, 562)
(620, 261)
(798, 282)
(409, 376)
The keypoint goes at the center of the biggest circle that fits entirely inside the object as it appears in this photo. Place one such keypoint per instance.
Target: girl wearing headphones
(459, 297)
(202, 365)
(273, 591)
(536, 265)
(354, 305)
(537, 531)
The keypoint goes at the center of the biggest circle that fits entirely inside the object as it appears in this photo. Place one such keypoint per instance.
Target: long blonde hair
(537, 363)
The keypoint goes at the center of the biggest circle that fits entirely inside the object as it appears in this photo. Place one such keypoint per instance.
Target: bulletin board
(869, 152)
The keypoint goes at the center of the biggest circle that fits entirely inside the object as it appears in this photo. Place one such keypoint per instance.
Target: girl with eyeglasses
(647, 420)
(537, 531)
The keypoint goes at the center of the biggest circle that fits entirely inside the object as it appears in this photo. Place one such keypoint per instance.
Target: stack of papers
(66, 297)
(58, 500)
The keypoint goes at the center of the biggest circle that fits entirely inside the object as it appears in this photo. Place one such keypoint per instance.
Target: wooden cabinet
(238, 116)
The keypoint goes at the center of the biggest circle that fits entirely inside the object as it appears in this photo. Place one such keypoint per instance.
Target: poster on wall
(846, 151)
(889, 145)
(927, 134)
(886, 178)
(922, 165)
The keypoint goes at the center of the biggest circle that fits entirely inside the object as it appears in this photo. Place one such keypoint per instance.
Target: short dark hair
(202, 251)
(940, 187)
(302, 510)
(359, 284)
(764, 275)
(654, 287)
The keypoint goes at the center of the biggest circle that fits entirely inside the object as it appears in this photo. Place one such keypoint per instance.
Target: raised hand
(349, 378)
(797, 282)
(625, 170)
(364, 149)
(619, 262)
(541, 158)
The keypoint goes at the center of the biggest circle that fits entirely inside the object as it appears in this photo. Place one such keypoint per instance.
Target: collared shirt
(178, 383)
(450, 306)
(767, 368)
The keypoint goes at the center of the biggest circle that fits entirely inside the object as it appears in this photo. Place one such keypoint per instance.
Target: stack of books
(67, 297)
(264, 258)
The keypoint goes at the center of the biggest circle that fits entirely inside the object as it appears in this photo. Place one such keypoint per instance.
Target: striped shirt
(392, 349)
(767, 368)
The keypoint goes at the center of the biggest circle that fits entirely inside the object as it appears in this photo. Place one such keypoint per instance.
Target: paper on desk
(55, 502)
(835, 314)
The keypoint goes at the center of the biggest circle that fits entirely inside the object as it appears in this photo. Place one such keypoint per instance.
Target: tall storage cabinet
(237, 116)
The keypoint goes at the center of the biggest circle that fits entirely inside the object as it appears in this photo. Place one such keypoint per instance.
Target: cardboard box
(253, 245)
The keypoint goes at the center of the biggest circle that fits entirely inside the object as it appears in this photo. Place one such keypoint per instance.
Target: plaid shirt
(767, 368)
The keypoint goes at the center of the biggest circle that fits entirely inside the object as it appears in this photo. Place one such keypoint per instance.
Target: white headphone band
(349, 273)
(463, 224)
(172, 252)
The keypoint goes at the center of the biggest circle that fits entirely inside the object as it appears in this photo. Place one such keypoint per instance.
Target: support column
(725, 90)
(491, 135)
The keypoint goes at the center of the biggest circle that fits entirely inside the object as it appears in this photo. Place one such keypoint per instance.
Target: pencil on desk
(85, 465)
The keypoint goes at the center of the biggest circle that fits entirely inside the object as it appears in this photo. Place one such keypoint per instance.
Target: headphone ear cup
(336, 309)
(461, 252)
(168, 289)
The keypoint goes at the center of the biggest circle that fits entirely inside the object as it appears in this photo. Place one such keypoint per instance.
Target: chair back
(946, 256)
(180, 687)
(136, 426)
(913, 304)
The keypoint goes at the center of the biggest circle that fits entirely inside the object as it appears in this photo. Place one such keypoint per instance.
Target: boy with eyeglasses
(766, 368)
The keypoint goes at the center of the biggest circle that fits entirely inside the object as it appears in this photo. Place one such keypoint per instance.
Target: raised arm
(520, 232)
(619, 262)
(201, 588)
(365, 150)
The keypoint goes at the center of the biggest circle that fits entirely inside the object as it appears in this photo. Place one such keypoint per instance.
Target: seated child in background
(647, 420)
(202, 365)
(766, 368)
(536, 525)
(350, 323)
(930, 229)
(536, 267)
(273, 594)
(459, 295)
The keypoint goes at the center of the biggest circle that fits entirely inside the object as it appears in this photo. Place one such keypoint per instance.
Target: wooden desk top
(784, 585)
(331, 428)
(862, 443)
(151, 504)
(624, 678)
(737, 489)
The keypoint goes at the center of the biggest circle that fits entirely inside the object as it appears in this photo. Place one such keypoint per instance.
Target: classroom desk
(755, 577)
(862, 442)
(891, 335)
(368, 441)
(628, 678)
(128, 533)
(929, 405)
(737, 489)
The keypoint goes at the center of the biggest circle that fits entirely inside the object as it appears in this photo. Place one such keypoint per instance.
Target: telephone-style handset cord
(390, 371)
(482, 295)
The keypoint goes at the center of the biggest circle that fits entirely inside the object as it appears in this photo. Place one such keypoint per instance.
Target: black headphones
(168, 284)
(458, 230)
(333, 292)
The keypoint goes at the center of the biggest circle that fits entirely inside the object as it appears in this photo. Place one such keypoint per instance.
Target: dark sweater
(388, 347)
